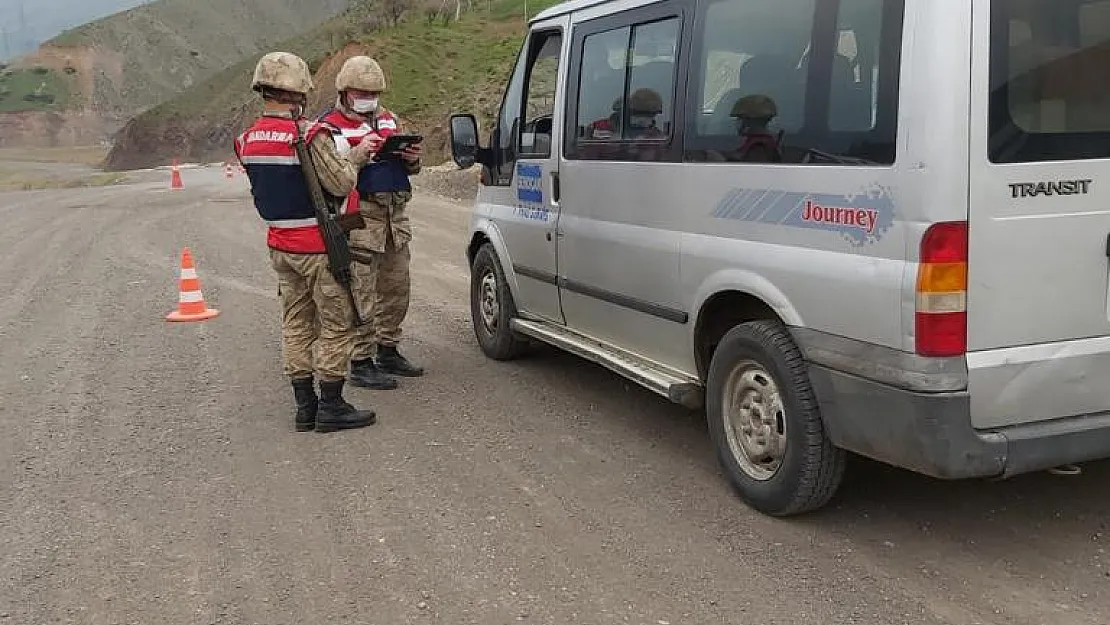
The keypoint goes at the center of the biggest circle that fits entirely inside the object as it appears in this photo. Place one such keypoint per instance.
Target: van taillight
(941, 317)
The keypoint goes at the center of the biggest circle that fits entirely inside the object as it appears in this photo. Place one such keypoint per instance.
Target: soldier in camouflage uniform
(644, 107)
(753, 115)
(315, 310)
(381, 194)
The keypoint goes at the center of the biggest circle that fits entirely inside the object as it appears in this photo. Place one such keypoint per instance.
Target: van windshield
(1050, 98)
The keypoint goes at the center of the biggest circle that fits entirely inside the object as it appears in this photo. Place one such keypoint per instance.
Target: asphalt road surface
(149, 473)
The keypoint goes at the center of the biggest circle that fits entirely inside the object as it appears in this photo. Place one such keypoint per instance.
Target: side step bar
(678, 389)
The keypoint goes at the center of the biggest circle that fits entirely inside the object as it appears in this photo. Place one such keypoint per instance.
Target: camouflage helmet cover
(282, 70)
(362, 73)
(754, 107)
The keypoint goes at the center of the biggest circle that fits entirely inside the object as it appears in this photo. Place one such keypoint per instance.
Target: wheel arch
(483, 232)
(729, 299)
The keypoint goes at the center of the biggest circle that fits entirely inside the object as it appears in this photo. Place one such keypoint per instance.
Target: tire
(497, 339)
(760, 362)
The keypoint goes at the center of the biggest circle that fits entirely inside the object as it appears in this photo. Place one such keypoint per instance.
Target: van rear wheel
(766, 425)
(492, 308)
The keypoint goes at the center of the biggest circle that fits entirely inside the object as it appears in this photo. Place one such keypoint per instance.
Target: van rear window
(1050, 97)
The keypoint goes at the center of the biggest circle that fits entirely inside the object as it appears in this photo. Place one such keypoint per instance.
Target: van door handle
(555, 186)
(1108, 246)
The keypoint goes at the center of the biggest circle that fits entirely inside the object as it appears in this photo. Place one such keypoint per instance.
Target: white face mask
(364, 105)
(641, 121)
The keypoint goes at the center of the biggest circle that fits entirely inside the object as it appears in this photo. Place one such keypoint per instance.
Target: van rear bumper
(931, 433)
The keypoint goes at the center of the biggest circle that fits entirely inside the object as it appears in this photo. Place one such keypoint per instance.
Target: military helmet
(362, 73)
(645, 102)
(282, 70)
(754, 107)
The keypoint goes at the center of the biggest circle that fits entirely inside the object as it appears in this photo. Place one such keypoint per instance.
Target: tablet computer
(393, 144)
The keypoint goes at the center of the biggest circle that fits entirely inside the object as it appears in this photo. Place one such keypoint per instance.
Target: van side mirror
(464, 140)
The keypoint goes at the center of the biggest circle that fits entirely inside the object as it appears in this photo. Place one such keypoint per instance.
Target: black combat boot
(307, 404)
(336, 414)
(391, 361)
(366, 374)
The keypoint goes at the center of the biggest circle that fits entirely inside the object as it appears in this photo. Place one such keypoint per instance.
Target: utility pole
(24, 38)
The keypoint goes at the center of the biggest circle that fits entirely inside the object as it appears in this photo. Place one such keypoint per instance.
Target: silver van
(875, 227)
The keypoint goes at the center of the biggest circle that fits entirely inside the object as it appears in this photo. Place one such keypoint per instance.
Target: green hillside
(433, 66)
(37, 89)
(127, 62)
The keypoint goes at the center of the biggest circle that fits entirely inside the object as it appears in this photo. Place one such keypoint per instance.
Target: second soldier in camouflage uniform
(382, 193)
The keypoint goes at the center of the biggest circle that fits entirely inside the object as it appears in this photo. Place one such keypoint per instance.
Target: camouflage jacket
(387, 225)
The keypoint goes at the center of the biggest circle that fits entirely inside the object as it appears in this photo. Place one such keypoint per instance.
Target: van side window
(602, 85)
(625, 109)
(649, 99)
(854, 87)
(539, 105)
(539, 56)
(781, 81)
(1050, 99)
(504, 144)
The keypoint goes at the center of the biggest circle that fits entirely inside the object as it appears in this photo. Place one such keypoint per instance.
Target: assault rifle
(339, 252)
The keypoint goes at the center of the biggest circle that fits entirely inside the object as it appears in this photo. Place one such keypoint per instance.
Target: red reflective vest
(382, 177)
(281, 196)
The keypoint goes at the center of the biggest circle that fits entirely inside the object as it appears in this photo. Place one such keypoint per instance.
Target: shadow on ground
(872, 492)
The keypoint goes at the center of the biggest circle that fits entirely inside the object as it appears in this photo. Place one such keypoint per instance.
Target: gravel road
(149, 473)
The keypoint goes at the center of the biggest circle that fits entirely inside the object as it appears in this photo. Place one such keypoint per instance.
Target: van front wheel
(492, 308)
(766, 425)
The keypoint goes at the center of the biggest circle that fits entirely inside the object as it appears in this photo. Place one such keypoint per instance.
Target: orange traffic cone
(227, 171)
(175, 177)
(190, 303)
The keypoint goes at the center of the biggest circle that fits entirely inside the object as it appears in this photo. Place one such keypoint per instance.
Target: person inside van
(602, 135)
(606, 128)
(752, 115)
(644, 108)
(599, 134)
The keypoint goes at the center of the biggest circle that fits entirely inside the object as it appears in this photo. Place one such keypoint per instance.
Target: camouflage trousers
(316, 317)
(382, 290)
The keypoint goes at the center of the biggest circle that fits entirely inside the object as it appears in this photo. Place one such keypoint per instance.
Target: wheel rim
(488, 306)
(754, 420)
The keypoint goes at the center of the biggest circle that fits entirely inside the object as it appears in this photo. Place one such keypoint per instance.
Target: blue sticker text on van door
(529, 192)
(860, 218)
